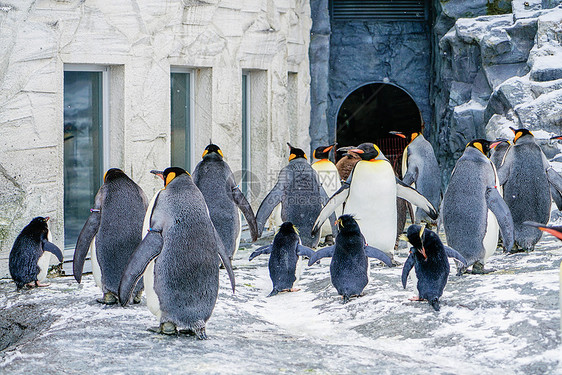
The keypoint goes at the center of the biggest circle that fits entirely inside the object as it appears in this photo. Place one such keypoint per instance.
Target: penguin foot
(137, 297)
(200, 333)
(345, 299)
(293, 290)
(461, 270)
(416, 299)
(38, 284)
(395, 263)
(435, 304)
(168, 328)
(108, 299)
(478, 269)
(329, 240)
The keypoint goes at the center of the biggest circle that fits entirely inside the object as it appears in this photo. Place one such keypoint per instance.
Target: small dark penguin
(429, 257)
(527, 179)
(29, 246)
(223, 197)
(182, 248)
(301, 195)
(285, 255)
(349, 269)
(116, 223)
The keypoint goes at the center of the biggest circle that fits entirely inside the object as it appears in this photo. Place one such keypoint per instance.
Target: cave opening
(371, 111)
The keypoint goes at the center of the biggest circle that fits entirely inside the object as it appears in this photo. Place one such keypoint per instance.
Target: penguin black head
(347, 224)
(38, 224)
(212, 149)
(483, 145)
(423, 240)
(169, 174)
(112, 174)
(287, 228)
(322, 152)
(367, 151)
(520, 133)
(296, 153)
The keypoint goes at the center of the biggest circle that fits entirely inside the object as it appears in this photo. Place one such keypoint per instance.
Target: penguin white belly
(372, 201)
(152, 301)
(96, 270)
(237, 242)
(330, 181)
(491, 237)
(298, 271)
(275, 220)
(43, 263)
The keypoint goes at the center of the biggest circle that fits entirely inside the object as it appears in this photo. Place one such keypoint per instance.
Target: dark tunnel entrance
(370, 112)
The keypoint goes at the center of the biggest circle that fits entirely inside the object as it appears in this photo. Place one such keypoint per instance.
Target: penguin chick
(429, 257)
(28, 247)
(349, 268)
(285, 252)
(347, 162)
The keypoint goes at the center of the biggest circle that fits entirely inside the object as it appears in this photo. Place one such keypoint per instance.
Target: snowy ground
(506, 322)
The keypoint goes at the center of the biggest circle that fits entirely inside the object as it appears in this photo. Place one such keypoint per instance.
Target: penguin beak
(328, 148)
(422, 235)
(398, 134)
(47, 218)
(556, 137)
(158, 173)
(494, 144)
(357, 151)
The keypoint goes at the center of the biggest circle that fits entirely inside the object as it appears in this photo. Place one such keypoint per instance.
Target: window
(245, 132)
(85, 158)
(181, 116)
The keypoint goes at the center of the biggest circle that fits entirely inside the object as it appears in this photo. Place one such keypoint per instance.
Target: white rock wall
(140, 40)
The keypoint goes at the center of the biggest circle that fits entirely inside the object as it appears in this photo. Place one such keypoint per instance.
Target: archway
(371, 111)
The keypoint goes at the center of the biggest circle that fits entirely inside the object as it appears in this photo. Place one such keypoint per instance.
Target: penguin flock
(174, 246)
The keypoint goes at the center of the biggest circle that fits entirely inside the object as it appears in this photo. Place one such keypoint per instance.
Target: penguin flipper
(53, 249)
(408, 264)
(262, 250)
(305, 251)
(225, 259)
(413, 196)
(334, 202)
(325, 252)
(244, 206)
(270, 202)
(555, 180)
(452, 253)
(499, 208)
(556, 197)
(411, 175)
(85, 238)
(148, 249)
(373, 252)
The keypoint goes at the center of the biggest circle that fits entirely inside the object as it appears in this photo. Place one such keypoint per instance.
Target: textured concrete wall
(366, 52)
(140, 40)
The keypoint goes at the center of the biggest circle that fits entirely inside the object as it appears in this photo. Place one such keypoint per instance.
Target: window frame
(190, 131)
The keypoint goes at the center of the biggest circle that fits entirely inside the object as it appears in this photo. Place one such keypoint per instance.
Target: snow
(508, 320)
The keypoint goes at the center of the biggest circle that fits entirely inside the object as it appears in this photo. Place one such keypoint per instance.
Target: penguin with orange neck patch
(473, 209)
(181, 251)
(115, 222)
(428, 256)
(527, 178)
(301, 195)
(330, 181)
(370, 195)
(215, 180)
(421, 170)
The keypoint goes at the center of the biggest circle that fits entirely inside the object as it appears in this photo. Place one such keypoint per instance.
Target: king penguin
(216, 182)
(330, 181)
(301, 195)
(349, 268)
(283, 265)
(370, 195)
(421, 170)
(527, 178)
(185, 248)
(30, 246)
(473, 208)
(497, 151)
(116, 223)
(429, 257)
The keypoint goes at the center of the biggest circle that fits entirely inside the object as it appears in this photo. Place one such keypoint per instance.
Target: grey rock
(547, 68)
